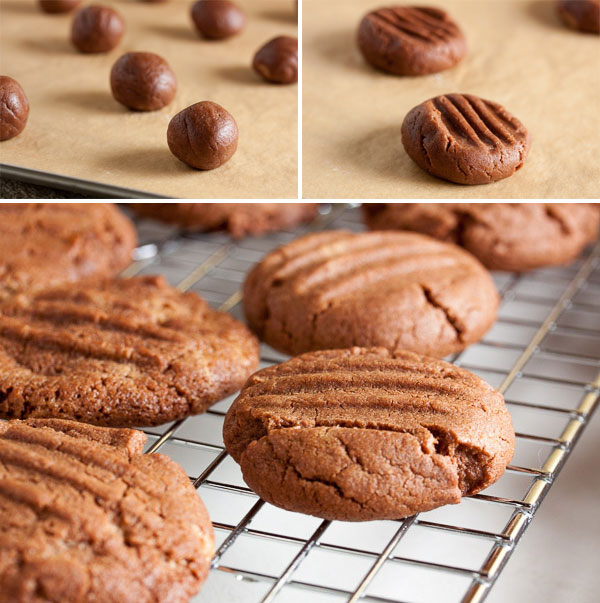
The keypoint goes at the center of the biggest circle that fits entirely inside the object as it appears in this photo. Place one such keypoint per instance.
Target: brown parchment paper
(77, 129)
(520, 55)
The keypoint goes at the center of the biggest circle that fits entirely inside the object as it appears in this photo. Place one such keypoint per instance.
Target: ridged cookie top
(418, 24)
(447, 409)
(84, 516)
(47, 244)
(411, 40)
(465, 139)
(504, 236)
(122, 353)
(399, 290)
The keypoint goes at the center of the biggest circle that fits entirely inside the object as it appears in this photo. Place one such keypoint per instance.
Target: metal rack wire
(542, 354)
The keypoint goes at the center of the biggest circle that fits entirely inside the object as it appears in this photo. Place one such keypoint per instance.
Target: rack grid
(542, 354)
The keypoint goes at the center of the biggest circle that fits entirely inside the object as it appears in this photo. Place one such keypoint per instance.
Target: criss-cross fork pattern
(542, 354)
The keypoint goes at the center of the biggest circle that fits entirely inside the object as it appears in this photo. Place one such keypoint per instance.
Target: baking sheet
(520, 55)
(76, 129)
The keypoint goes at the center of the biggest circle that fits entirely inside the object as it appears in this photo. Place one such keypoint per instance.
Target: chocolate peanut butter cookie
(465, 139)
(503, 236)
(410, 40)
(121, 353)
(239, 219)
(47, 244)
(85, 516)
(362, 434)
(397, 290)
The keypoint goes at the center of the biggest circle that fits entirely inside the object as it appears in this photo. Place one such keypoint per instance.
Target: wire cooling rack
(542, 353)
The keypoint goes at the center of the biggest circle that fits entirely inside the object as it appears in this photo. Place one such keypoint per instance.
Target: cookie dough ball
(143, 81)
(277, 60)
(97, 29)
(582, 15)
(58, 6)
(218, 19)
(14, 108)
(465, 139)
(204, 136)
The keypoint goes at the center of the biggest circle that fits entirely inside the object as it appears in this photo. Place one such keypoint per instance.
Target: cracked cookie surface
(48, 244)
(124, 352)
(503, 236)
(238, 219)
(465, 139)
(85, 516)
(339, 289)
(361, 434)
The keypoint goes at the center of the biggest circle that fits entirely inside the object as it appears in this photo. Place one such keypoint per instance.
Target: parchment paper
(520, 55)
(77, 129)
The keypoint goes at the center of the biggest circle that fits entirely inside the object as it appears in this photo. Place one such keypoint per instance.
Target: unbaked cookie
(128, 352)
(504, 236)
(337, 289)
(47, 244)
(85, 516)
(238, 219)
(362, 434)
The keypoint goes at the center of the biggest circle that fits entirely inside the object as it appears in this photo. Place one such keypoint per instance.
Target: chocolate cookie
(239, 219)
(582, 15)
(503, 236)
(465, 139)
(363, 434)
(85, 516)
(337, 289)
(128, 352)
(409, 40)
(47, 244)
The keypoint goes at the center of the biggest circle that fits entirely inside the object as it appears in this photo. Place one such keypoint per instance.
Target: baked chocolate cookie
(362, 434)
(465, 139)
(238, 219)
(128, 352)
(85, 516)
(338, 289)
(411, 40)
(47, 244)
(582, 15)
(503, 236)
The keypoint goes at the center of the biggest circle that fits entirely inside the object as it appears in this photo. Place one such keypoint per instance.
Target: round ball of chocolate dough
(58, 6)
(277, 60)
(97, 29)
(143, 81)
(218, 19)
(14, 108)
(204, 136)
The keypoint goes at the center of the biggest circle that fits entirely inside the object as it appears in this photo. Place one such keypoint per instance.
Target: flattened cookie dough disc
(503, 236)
(409, 40)
(47, 244)
(126, 352)
(465, 139)
(239, 219)
(398, 290)
(85, 516)
(362, 434)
